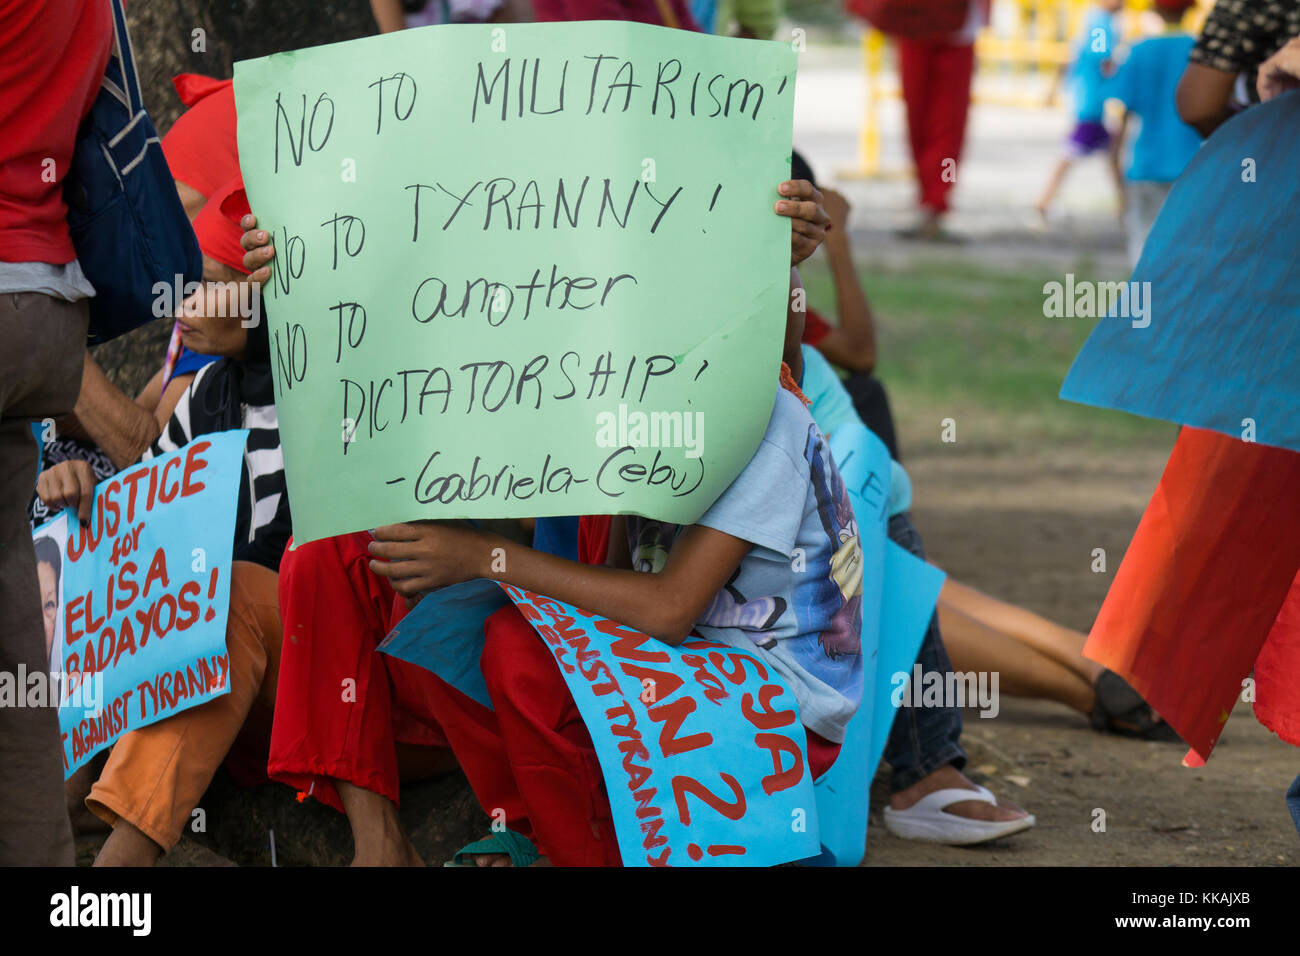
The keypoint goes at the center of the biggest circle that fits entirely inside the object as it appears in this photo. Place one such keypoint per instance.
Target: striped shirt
(262, 523)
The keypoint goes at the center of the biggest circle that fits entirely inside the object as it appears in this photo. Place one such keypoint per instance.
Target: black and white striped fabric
(217, 401)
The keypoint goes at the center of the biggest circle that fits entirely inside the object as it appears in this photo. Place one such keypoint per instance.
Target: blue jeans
(923, 739)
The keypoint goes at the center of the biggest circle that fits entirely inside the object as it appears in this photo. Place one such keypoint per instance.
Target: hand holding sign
(449, 264)
(143, 588)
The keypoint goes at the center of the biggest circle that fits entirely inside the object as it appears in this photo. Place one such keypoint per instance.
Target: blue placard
(137, 598)
(701, 746)
(1215, 340)
(444, 634)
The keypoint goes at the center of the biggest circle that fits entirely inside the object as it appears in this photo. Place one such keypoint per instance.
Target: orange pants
(155, 776)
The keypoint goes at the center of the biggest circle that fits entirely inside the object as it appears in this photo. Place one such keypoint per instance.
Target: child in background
(1147, 85)
(1085, 78)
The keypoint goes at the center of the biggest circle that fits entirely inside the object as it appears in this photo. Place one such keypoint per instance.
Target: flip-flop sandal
(928, 821)
(514, 845)
(1120, 710)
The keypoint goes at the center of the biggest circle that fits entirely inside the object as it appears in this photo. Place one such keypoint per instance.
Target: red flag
(1201, 586)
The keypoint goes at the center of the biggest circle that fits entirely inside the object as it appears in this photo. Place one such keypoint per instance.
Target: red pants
(531, 756)
(936, 80)
(341, 708)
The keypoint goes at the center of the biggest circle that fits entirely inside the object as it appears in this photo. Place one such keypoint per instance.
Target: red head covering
(201, 147)
(217, 224)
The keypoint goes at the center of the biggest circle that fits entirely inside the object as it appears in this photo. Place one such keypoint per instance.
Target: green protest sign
(520, 270)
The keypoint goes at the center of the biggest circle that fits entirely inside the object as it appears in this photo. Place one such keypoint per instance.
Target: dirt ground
(1022, 527)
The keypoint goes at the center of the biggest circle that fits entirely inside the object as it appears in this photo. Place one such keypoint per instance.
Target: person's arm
(161, 402)
(388, 15)
(422, 556)
(191, 199)
(1203, 96)
(171, 397)
(118, 425)
(151, 394)
(851, 343)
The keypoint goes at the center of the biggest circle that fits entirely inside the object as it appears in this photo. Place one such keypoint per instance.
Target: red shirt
(815, 328)
(52, 58)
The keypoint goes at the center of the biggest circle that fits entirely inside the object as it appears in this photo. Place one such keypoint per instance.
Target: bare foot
(949, 777)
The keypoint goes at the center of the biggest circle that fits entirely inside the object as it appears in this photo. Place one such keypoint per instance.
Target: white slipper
(926, 820)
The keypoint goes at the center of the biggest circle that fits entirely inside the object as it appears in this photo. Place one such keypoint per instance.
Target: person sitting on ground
(849, 342)
(930, 798)
(1036, 657)
(1033, 656)
(556, 795)
(155, 776)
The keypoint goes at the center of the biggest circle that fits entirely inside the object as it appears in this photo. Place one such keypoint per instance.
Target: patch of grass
(971, 343)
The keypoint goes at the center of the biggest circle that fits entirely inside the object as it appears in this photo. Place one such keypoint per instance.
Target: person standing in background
(52, 59)
(1146, 84)
(1086, 76)
(936, 74)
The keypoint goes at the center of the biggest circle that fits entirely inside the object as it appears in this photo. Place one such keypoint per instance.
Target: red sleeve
(815, 328)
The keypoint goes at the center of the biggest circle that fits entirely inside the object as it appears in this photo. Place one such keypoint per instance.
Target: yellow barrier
(1024, 47)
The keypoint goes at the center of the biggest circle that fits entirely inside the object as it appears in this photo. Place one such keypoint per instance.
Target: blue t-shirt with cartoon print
(796, 598)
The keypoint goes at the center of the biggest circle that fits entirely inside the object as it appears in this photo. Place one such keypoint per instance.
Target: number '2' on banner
(701, 744)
